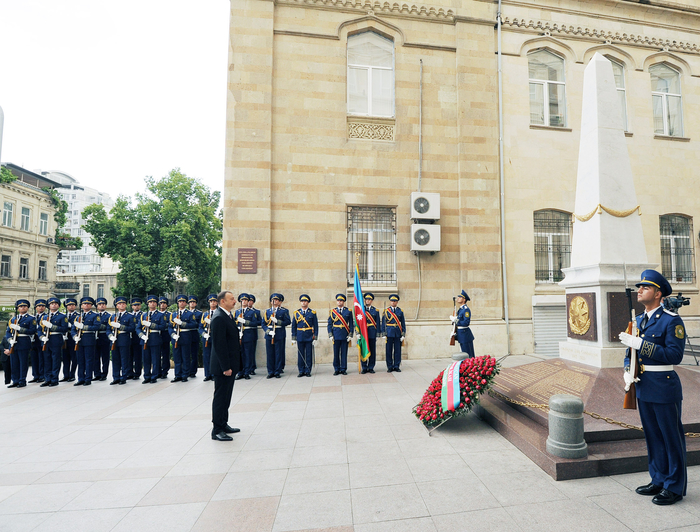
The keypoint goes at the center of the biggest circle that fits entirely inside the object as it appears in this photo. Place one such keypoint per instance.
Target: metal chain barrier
(545, 408)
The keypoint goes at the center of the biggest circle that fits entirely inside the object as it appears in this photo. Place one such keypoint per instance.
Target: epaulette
(313, 311)
(671, 313)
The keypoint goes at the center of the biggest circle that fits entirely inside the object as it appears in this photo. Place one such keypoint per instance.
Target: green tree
(173, 229)
(6, 176)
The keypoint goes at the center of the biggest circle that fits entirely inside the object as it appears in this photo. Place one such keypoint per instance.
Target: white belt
(56, 333)
(22, 335)
(185, 330)
(462, 327)
(657, 368)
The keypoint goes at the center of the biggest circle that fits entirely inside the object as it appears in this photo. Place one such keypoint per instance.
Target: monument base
(612, 449)
(598, 357)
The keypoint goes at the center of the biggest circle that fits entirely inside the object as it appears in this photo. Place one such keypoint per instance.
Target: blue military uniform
(275, 351)
(135, 365)
(252, 334)
(340, 330)
(101, 366)
(20, 336)
(305, 332)
(373, 330)
(659, 391)
(182, 339)
(52, 338)
(70, 356)
(148, 329)
(239, 316)
(122, 325)
(37, 352)
(464, 335)
(196, 338)
(165, 340)
(205, 333)
(86, 338)
(394, 328)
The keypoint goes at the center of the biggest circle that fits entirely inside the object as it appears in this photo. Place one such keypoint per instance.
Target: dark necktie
(645, 320)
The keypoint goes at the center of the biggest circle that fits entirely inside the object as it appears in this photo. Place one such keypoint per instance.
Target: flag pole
(359, 347)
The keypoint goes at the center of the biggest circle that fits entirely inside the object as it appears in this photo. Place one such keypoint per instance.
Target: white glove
(114, 324)
(79, 325)
(76, 338)
(294, 342)
(631, 341)
(178, 321)
(313, 342)
(629, 379)
(46, 323)
(112, 338)
(12, 342)
(44, 339)
(208, 321)
(453, 319)
(240, 319)
(403, 338)
(330, 336)
(143, 337)
(205, 336)
(273, 320)
(147, 324)
(176, 337)
(14, 327)
(349, 338)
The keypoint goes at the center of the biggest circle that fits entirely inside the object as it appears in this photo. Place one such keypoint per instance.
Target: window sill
(551, 128)
(548, 288)
(629, 134)
(668, 137)
(370, 128)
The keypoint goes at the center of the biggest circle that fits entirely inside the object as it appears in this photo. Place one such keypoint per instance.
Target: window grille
(677, 254)
(372, 234)
(552, 245)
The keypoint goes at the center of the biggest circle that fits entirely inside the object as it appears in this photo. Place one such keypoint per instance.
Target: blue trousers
(372, 360)
(86, 356)
(181, 357)
(393, 352)
(120, 361)
(135, 365)
(340, 355)
(165, 358)
(467, 347)
(305, 356)
(665, 439)
(101, 365)
(151, 361)
(206, 358)
(70, 359)
(19, 361)
(37, 354)
(52, 358)
(194, 353)
(275, 354)
(248, 357)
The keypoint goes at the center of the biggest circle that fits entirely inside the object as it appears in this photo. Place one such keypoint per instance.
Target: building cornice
(395, 9)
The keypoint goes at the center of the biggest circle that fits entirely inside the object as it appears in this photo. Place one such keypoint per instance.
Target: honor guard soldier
(101, 366)
(394, 328)
(70, 356)
(148, 329)
(53, 327)
(274, 323)
(239, 316)
(205, 332)
(461, 322)
(196, 338)
(373, 330)
(252, 334)
(136, 353)
(163, 303)
(340, 330)
(182, 325)
(84, 332)
(304, 334)
(37, 354)
(121, 325)
(19, 334)
(659, 346)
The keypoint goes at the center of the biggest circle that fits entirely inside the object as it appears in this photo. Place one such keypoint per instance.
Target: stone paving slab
(341, 454)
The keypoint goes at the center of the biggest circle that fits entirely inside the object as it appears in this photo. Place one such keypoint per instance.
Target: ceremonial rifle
(177, 330)
(80, 319)
(43, 329)
(14, 334)
(272, 334)
(454, 325)
(148, 331)
(630, 401)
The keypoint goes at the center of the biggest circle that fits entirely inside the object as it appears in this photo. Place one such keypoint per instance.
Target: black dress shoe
(146, 381)
(154, 380)
(390, 370)
(252, 372)
(665, 497)
(193, 376)
(21, 385)
(370, 371)
(308, 374)
(300, 375)
(363, 371)
(64, 379)
(206, 379)
(343, 372)
(238, 377)
(122, 381)
(53, 384)
(79, 383)
(103, 378)
(336, 373)
(41, 379)
(649, 489)
(35, 379)
(397, 369)
(246, 377)
(184, 379)
(71, 379)
(231, 430)
(278, 376)
(44, 385)
(13, 385)
(270, 376)
(87, 383)
(221, 436)
(177, 379)
(114, 382)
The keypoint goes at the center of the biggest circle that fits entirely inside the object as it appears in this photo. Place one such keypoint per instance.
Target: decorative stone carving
(378, 8)
(358, 129)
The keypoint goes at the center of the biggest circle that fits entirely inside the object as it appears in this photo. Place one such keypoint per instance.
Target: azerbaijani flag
(360, 319)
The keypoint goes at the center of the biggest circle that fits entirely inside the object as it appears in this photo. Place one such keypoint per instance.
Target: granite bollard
(566, 427)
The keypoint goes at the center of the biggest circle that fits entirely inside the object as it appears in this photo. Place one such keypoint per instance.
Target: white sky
(111, 92)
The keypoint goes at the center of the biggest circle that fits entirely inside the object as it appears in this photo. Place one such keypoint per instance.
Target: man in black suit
(224, 364)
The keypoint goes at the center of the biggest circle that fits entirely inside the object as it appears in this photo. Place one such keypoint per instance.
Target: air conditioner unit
(425, 206)
(425, 237)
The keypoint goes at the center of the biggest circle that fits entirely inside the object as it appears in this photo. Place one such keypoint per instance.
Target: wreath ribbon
(598, 209)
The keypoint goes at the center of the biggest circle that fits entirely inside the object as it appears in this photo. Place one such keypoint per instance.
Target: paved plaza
(323, 453)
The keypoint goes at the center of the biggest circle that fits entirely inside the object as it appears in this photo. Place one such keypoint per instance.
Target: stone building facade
(325, 119)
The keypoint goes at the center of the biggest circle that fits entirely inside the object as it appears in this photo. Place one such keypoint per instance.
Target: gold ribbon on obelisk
(598, 209)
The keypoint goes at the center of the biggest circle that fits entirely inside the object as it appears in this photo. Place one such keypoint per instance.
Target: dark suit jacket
(225, 344)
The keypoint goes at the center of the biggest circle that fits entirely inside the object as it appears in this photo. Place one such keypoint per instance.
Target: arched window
(547, 89)
(619, 72)
(552, 245)
(370, 75)
(666, 100)
(677, 255)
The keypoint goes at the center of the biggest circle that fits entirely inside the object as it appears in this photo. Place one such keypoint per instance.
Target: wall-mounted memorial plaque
(619, 313)
(247, 260)
(581, 316)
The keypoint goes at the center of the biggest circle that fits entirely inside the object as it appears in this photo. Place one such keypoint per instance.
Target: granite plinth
(612, 449)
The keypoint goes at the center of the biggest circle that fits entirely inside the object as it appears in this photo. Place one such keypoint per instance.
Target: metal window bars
(677, 254)
(552, 245)
(372, 234)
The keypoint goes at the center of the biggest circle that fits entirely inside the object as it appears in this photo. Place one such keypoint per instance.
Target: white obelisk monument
(607, 235)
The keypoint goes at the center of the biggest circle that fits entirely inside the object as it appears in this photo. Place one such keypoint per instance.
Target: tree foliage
(173, 229)
(6, 176)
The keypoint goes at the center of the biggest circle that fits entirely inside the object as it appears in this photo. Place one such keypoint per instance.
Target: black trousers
(223, 390)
